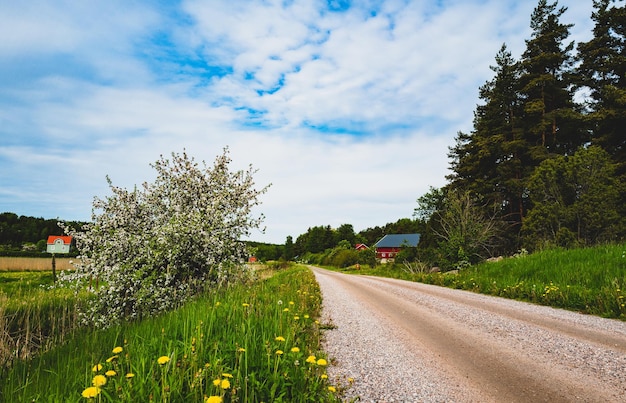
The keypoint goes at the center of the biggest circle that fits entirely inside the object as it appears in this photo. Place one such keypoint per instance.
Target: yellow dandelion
(225, 384)
(280, 338)
(246, 305)
(296, 318)
(241, 350)
(112, 358)
(311, 359)
(163, 360)
(351, 380)
(324, 376)
(117, 350)
(306, 316)
(96, 367)
(322, 362)
(227, 375)
(279, 352)
(91, 392)
(286, 310)
(332, 389)
(295, 350)
(130, 375)
(110, 373)
(213, 399)
(99, 380)
(291, 303)
(216, 382)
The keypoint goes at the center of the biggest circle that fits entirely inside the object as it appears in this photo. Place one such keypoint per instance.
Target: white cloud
(105, 88)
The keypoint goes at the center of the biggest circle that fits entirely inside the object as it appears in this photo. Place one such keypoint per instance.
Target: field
(251, 342)
(33, 263)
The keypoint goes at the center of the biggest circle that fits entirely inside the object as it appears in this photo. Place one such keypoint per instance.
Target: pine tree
(552, 120)
(603, 72)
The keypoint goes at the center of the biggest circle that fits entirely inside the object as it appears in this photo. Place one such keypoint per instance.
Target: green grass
(588, 280)
(250, 343)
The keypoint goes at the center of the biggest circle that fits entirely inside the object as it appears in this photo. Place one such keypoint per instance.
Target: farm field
(33, 263)
(251, 342)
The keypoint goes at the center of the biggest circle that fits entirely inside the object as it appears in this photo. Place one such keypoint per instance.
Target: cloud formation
(347, 108)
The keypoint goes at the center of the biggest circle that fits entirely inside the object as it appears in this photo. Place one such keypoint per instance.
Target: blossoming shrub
(149, 249)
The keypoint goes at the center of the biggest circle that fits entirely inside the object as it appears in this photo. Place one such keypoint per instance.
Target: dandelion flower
(296, 318)
(163, 360)
(216, 382)
(225, 384)
(241, 350)
(279, 352)
(332, 389)
(324, 376)
(213, 399)
(246, 305)
(99, 380)
(96, 367)
(227, 375)
(110, 373)
(295, 350)
(130, 375)
(322, 362)
(280, 338)
(117, 350)
(286, 310)
(112, 358)
(91, 392)
(311, 359)
(291, 303)
(306, 316)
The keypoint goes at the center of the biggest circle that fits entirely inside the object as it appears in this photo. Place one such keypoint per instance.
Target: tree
(289, 249)
(153, 248)
(602, 72)
(575, 201)
(552, 120)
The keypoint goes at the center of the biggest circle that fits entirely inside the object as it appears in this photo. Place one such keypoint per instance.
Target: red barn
(389, 245)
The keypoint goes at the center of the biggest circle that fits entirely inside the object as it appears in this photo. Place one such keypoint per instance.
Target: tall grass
(32, 317)
(588, 280)
(250, 343)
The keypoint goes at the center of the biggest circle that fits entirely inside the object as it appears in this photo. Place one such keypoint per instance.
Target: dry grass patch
(33, 263)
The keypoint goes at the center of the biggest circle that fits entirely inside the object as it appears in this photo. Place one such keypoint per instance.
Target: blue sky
(346, 107)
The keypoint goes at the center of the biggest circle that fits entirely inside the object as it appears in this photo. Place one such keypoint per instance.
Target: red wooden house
(389, 245)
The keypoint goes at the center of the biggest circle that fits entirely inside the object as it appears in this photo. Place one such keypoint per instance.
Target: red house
(361, 246)
(389, 245)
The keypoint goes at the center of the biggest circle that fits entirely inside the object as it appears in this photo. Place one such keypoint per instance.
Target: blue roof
(397, 240)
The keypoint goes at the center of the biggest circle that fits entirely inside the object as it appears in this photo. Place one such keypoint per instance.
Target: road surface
(404, 341)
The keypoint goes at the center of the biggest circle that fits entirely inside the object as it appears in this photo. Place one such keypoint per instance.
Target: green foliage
(151, 249)
(575, 201)
(259, 338)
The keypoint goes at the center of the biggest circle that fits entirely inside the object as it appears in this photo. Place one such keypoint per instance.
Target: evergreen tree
(552, 120)
(602, 71)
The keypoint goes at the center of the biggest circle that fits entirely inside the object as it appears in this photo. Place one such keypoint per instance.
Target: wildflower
(311, 359)
(324, 376)
(216, 382)
(130, 375)
(296, 318)
(322, 362)
(280, 338)
(227, 375)
(112, 358)
(295, 350)
(213, 399)
(279, 352)
(246, 305)
(291, 303)
(99, 380)
(110, 373)
(280, 302)
(332, 389)
(163, 360)
(117, 350)
(241, 350)
(351, 380)
(96, 367)
(225, 384)
(91, 392)
(286, 310)
(306, 316)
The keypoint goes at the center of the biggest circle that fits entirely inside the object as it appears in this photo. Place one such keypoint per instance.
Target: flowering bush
(149, 249)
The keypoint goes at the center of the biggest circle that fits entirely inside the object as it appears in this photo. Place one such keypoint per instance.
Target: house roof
(398, 240)
(66, 239)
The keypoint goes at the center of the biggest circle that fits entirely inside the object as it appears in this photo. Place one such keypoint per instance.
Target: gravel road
(412, 342)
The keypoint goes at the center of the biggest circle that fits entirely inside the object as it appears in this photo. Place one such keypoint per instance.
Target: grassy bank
(589, 280)
(249, 343)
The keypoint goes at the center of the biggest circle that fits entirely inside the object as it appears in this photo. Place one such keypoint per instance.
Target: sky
(347, 108)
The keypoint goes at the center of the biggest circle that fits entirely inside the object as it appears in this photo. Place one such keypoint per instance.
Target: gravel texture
(582, 357)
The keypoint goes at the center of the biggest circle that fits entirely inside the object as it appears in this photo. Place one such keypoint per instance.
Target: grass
(249, 343)
(587, 280)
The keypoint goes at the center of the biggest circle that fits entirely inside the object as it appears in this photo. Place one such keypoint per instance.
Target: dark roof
(397, 240)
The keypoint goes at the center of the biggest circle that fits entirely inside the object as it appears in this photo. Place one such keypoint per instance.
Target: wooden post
(54, 272)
